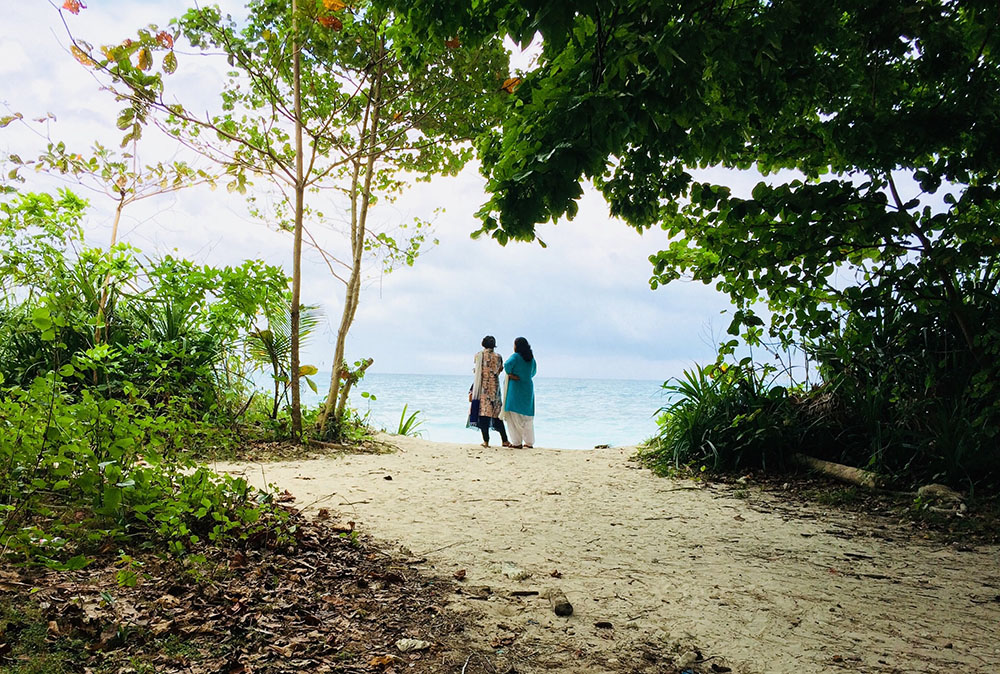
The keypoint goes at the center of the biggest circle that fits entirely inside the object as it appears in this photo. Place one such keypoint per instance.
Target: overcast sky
(583, 302)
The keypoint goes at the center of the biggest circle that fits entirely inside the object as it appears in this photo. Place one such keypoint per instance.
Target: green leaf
(125, 118)
(75, 563)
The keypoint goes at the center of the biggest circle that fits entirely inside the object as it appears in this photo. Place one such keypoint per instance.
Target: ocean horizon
(569, 413)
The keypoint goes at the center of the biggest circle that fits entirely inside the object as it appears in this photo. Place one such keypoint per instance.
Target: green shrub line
(115, 372)
(721, 418)
(81, 474)
(726, 418)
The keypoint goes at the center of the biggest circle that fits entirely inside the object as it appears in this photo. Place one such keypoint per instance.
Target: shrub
(722, 418)
(911, 401)
(78, 472)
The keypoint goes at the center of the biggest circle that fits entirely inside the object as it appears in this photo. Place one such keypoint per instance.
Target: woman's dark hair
(489, 342)
(522, 347)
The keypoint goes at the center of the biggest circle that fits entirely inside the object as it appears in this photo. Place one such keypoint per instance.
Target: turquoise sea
(569, 413)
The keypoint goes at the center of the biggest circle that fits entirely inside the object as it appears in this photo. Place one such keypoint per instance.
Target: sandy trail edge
(761, 585)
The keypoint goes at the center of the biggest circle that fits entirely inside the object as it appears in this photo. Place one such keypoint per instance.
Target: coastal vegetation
(116, 371)
(321, 100)
(409, 425)
(867, 249)
(121, 373)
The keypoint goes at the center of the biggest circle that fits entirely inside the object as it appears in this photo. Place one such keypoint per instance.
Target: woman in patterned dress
(486, 390)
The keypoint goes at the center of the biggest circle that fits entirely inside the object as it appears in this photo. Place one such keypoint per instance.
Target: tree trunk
(849, 474)
(297, 245)
(332, 410)
(103, 302)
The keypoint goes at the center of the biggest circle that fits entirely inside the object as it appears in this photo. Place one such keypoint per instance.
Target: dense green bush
(113, 372)
(900, 396)
(723, 418)
(906, 399)
(82, 471)
(163, 329)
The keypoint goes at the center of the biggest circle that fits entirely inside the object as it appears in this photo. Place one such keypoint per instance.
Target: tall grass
(409, 425)
(722, 418)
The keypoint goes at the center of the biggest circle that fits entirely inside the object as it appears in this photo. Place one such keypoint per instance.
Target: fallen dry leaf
(162, 627)
(285, 651)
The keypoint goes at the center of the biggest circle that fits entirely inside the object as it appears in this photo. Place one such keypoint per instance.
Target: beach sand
(658, 569)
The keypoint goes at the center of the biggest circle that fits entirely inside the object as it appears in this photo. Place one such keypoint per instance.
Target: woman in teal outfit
(519, 403)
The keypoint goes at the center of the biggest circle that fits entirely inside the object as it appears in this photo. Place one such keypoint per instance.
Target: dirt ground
(663, 575)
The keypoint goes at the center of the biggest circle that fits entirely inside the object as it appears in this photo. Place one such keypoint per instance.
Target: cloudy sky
(583, 302)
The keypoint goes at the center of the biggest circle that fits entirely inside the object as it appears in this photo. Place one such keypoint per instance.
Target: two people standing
(516, 405)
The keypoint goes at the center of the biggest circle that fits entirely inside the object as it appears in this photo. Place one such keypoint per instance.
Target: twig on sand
(443, 547)
(329, 445)
(320, 499)
(487, 665)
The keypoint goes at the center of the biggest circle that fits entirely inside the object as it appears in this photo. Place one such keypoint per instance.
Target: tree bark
(99, 332)
(855, 476)
(297, 245)
(333, 408)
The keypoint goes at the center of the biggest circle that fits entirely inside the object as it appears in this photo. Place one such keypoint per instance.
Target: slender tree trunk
(297, 246)
(346, 390)
(99, 331)
(359, 218)
(114, 225)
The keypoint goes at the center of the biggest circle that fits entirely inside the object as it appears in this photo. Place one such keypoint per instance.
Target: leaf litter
(328, 602)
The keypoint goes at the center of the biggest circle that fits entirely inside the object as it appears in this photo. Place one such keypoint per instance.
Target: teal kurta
(520, 393)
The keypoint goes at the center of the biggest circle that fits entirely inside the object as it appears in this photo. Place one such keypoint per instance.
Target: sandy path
(760, 585)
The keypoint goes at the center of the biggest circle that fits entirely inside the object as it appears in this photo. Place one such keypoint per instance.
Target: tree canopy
(345, 102)
(872, 237)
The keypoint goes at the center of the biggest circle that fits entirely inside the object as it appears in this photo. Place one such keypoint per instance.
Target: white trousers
(520, 428)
